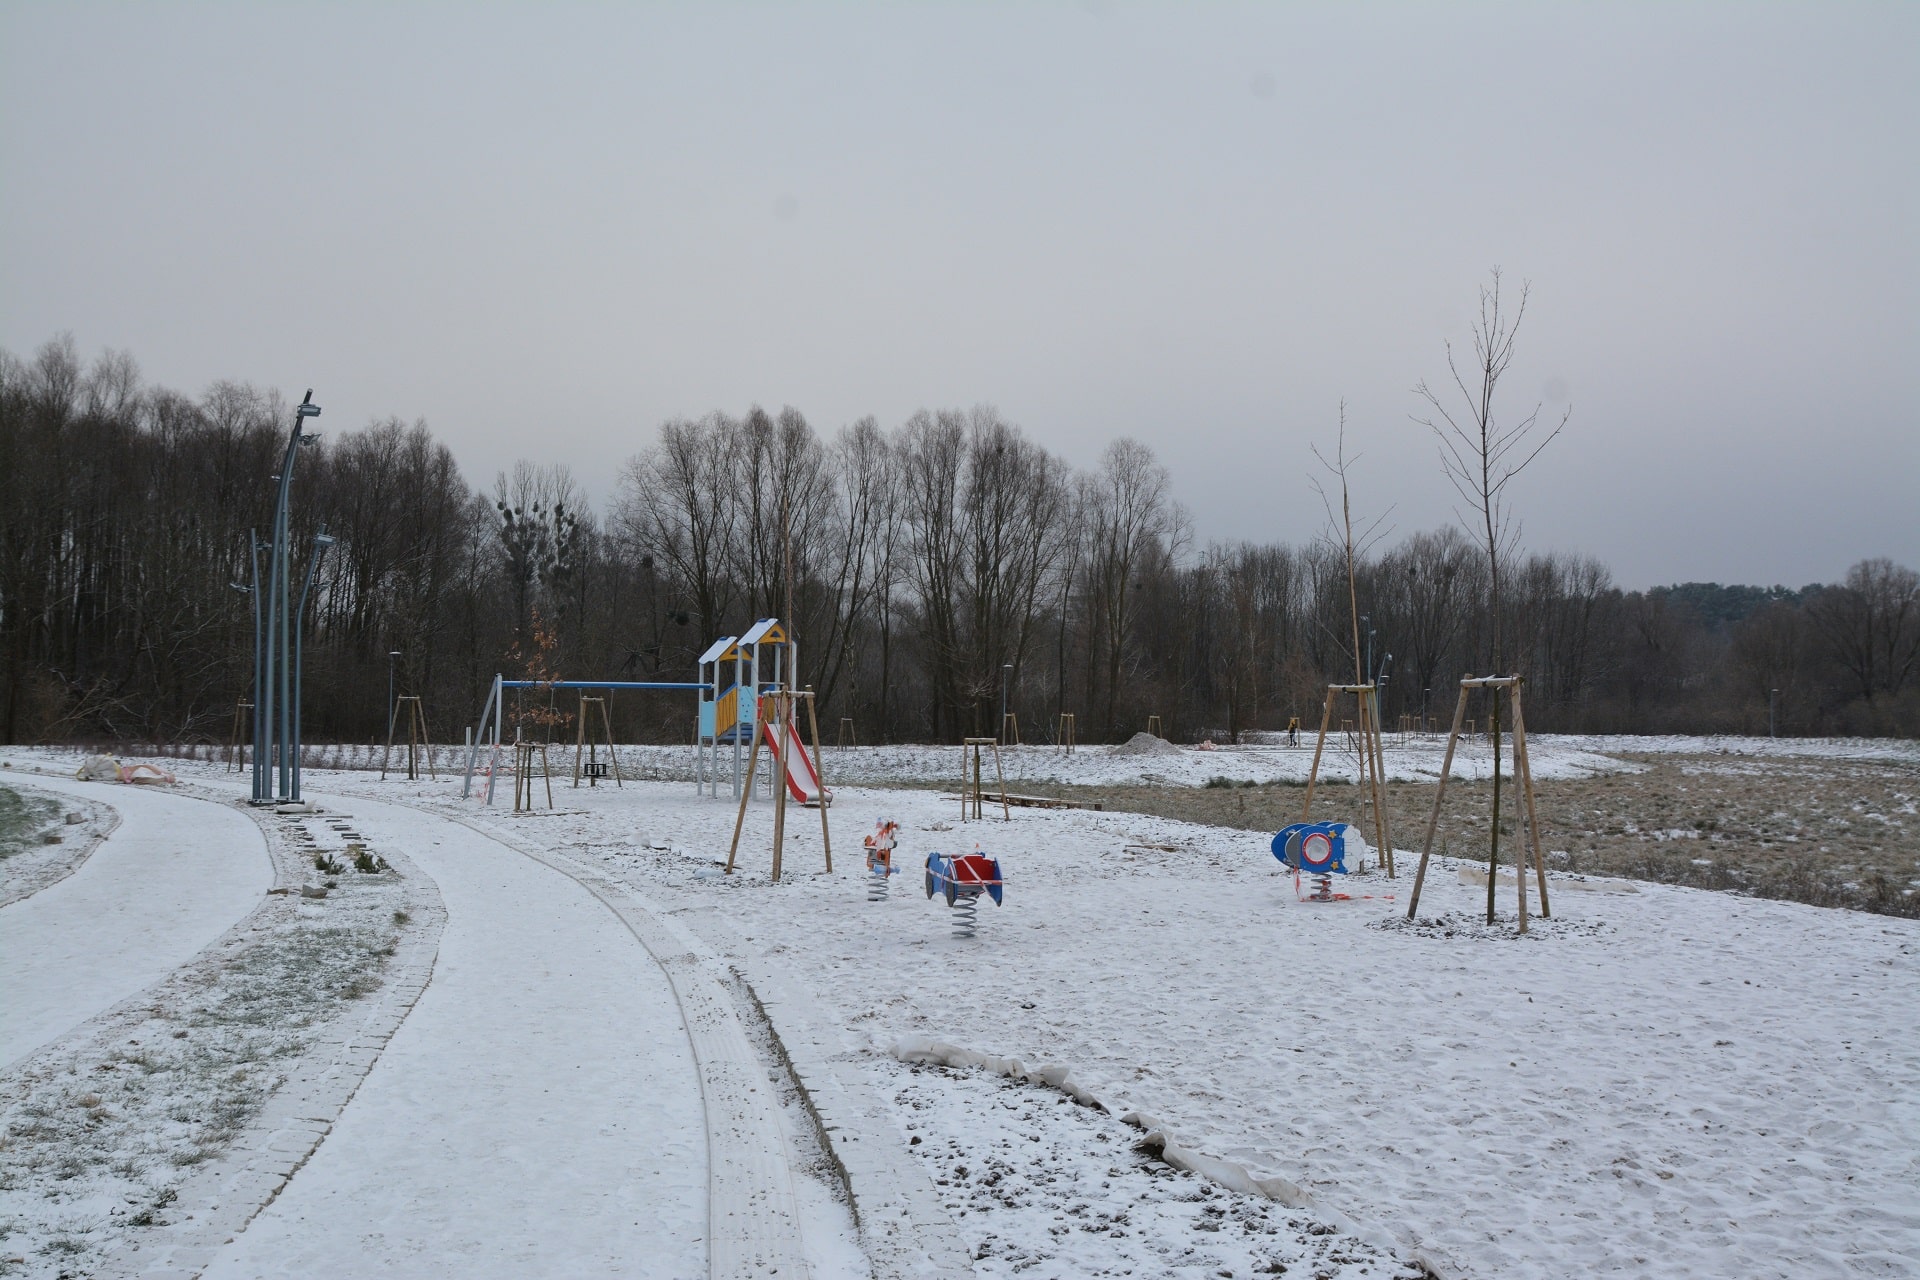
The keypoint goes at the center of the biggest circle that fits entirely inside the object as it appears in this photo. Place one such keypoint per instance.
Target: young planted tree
(1482, 453)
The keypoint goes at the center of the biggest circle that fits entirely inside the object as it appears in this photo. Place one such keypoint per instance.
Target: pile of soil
(1145, 744)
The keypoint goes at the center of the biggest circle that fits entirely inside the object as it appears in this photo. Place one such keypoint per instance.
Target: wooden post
(393, 715)
(973, 777)
(1066, 732)
(746, 793)
(237, 742)
(1381, 827)
(1153, 726)
(847, 736)
(580, 738)
(1433, 824)
(783, 726)
(583, 740)
(1313, 774)
(999, 776)
(1010, 727)
(606, 726)
(1523, 765)
(820, 773)
(523, 774)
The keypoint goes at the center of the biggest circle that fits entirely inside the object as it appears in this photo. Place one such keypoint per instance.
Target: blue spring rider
(961, 880)
(1319, 849)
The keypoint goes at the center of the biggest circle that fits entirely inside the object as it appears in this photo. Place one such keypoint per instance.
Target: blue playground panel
(1316, 847)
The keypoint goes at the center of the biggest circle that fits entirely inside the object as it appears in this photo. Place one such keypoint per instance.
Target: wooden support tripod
(1372, 761)
(1524, 770)
(237, 742)
(971, 781)
(782, 704)
(1066, 733)
(523, 754)
(584, 742)
(418, 742)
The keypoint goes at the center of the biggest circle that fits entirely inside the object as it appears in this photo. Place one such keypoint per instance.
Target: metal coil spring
(1322, 887)
(877, 885)
(966, 914)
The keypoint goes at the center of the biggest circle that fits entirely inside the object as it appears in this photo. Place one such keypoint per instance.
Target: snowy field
(1658, 1081)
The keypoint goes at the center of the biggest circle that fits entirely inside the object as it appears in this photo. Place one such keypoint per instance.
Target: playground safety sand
(1669, 1082)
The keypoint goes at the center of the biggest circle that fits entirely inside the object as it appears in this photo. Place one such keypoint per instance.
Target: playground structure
(880, 868)
(493, 715)
(763, 660)
(586, 754)
(961, 880)
(1318, 849)
(730, 713)
(1372, 755)
(1523, 770)
(417, 739)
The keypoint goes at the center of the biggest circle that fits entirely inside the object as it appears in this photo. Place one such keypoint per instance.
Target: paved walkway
(177, 874)
(538, 1113)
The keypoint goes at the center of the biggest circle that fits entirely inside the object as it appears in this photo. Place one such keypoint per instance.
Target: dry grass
(1838, 833)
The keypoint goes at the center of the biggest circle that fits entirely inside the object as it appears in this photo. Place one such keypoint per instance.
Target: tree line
(925, 564)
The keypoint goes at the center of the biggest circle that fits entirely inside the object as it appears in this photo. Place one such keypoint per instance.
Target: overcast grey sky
(546, 229)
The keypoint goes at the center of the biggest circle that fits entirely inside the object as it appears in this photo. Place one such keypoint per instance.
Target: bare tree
(679, 507)
(1131, 519)
(1481, 455)
(1350, 545)
(1872, 625)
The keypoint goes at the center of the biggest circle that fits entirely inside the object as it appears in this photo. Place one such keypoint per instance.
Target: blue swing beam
(495, 707)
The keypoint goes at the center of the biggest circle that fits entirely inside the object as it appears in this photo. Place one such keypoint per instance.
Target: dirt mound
(1145, 744)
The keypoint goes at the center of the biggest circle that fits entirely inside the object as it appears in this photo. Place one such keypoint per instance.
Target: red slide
(803, 780)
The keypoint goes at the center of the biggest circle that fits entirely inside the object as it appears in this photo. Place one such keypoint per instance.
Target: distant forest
(924, 559)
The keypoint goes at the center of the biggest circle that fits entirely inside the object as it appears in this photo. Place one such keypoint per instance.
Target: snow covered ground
(134, 911)
(1661, 1082)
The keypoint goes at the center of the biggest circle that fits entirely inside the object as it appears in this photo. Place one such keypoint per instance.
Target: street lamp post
(279, 622)
(321, 541)
(1771, 695)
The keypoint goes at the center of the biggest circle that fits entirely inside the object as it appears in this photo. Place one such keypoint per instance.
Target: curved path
(175, 876)
(538, 1113)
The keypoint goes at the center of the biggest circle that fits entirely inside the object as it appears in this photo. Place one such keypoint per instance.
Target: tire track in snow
(753, 1222)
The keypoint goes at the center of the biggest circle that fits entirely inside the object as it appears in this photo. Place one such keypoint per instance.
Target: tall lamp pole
(321, 541)
(279, 622)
